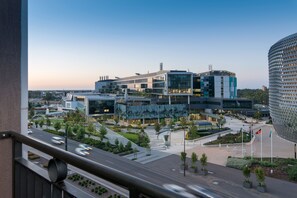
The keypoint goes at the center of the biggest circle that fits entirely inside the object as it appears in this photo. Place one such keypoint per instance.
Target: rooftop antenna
(161, 66)
(210, 67)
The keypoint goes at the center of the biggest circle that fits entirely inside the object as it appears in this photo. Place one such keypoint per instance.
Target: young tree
(41, 123)
(203, 161)
(247, 173)
(48, 122)
(121, 147)
(57, 126)
(91, 128)
(193, 132)
(36, 123)
(81, 133)
(103, 132)
(116, 142)
(194, 159)
(260, 176)
(157, 127)
(183, 157)
(128, 146)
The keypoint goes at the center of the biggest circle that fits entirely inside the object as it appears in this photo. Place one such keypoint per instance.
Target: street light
(241, 141)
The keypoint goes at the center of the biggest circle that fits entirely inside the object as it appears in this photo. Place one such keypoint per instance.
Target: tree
(128, 146)
(203, 161)
(257, 115)
(157, 127)
(48, 122)
(260, 176)
(36, 123)
(121, 147)
(247, 173)
(57, 126)
(103, 132)
(41, 123)
(193, 132)
(183, 156)
(194, 159)
(116, 142)
(81, 133)
(91, 128)
(75, 129)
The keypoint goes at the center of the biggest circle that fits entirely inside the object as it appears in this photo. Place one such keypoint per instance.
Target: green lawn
(130, 136)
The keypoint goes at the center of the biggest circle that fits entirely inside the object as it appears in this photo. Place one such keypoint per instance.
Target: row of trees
(194, 159)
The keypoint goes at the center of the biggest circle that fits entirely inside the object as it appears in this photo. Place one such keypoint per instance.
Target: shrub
(237, 163)
(292, 172)
(267, 164)
(260, 176)
(247, 173)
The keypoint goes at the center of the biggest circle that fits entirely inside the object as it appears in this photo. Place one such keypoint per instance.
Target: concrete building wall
(13, 82)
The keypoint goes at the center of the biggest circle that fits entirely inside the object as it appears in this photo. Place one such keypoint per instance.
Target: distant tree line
(257, 95)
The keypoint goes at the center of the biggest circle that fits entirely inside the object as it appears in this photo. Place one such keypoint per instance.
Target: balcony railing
(31, 180)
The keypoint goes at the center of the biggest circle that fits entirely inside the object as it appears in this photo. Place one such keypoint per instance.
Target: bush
(260, 176)
(292, 172)
(267, 164)
(237, 163)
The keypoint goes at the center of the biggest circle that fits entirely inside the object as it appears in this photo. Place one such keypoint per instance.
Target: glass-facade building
(282, 59)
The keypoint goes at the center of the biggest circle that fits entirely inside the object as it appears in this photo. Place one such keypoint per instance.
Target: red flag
(259, 131)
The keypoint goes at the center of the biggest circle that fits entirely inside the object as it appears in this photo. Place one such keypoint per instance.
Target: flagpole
(271, 144)
(252, 141)
(261, 145)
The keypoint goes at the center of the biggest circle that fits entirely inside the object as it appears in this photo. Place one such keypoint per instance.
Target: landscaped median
(280, 168)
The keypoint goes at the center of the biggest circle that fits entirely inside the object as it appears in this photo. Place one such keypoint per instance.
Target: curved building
(282, 58)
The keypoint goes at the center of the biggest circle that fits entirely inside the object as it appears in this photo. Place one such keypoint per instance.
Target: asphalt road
(224, 181)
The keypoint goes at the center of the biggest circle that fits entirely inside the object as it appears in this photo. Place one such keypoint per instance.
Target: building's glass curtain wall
(179, 83)
(101, 107)
(283, 86)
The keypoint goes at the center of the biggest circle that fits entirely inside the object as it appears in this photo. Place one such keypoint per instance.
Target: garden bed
(281, 168)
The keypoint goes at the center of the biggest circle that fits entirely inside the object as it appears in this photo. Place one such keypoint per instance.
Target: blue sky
(73, 42)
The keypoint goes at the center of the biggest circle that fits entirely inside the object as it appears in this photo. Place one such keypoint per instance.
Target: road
(225, 181)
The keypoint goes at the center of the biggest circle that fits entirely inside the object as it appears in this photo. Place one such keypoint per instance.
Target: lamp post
(241, 142)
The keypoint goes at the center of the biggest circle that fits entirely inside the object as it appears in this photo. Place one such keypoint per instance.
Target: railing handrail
(100, 170)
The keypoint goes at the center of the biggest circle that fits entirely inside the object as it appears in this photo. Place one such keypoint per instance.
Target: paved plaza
(219, 154)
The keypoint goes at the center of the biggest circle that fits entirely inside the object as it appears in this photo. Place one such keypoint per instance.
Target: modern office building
(282, 59)
(167, 83)
(161, 83)
(217, 84)
(91, 104)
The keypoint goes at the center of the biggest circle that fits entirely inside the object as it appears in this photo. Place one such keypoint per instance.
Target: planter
(262, 189)
(247, 184)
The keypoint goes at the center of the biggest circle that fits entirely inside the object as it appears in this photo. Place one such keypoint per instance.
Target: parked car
(57, 140)
(178, 190)
(85, 147)
(202, 192)
(81, 151)
(29, 131)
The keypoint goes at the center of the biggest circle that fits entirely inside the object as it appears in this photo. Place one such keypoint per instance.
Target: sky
(73, 42)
